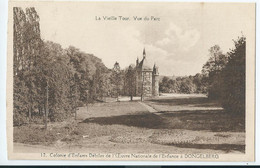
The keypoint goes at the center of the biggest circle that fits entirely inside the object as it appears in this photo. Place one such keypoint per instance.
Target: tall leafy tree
(55, 72)
(19, 26)
(116, 79)
(130, 81)
(212, 68)
(27, 44)
(233, 79)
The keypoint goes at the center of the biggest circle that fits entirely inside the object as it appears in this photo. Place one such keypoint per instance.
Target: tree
(50, 82)
(53, 72)
(212, 68)
(27, 45)
(187, 86)
(163, 86)
(20, 90)
(19, 35)
(100, 84)
(233, 79)
(21, 101)
(200, 81)
(80, 70)
(116, 78)
(130, 81)
(90, 74)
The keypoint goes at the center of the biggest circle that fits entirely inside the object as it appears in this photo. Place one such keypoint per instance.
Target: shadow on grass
(224, 147)
(143, 120)
(212, 120)
(198, 101)
(215, 120)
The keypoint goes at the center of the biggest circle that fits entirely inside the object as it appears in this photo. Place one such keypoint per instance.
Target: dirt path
(149, 108)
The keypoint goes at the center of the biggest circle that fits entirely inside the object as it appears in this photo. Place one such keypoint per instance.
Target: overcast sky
(178, 43)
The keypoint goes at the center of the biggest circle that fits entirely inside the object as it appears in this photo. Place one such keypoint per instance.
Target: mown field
(181, 123)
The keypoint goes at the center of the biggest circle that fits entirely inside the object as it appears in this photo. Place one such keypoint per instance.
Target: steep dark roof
(145, 64)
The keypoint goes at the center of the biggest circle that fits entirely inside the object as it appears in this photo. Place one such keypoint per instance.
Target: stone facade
(155, 82)
(147, 78)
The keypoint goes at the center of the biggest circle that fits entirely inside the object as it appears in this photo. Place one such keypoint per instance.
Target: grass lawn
(109, 109)
(188, 123)
(196, 113)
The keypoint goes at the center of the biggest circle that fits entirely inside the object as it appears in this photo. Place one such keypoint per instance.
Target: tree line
(222, 78)
(187, 84)
(50, 82)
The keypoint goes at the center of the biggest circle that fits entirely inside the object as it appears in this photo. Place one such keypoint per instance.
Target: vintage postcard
(147, 81)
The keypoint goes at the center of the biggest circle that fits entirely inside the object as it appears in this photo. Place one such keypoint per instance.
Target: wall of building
(147, 83)
(144, 82)
(155, 85)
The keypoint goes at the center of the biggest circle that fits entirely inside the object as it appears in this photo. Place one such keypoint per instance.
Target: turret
(155, 81)
(155, 69)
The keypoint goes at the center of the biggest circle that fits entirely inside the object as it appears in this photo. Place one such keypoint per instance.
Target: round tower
(155, 81)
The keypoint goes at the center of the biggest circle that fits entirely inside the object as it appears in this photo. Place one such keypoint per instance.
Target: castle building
(147, 78)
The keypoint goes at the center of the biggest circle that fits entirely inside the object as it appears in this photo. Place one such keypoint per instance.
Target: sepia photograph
(131, 81)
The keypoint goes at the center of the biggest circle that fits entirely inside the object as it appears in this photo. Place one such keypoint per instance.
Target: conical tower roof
(145, 63)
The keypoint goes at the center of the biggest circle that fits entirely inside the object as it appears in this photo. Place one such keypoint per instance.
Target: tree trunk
(47, 107)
